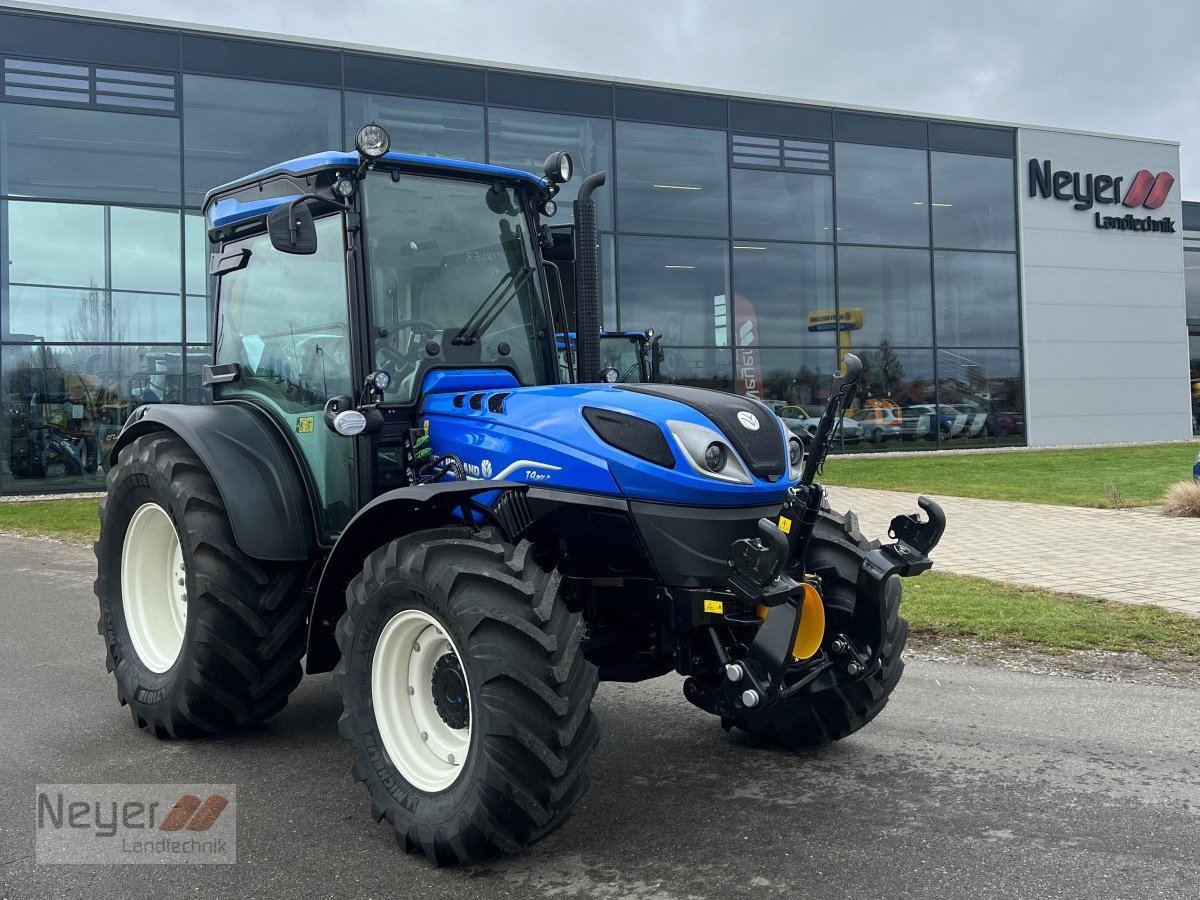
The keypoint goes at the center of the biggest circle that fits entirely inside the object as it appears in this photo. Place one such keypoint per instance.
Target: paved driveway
(1133, 555)
(974, 783)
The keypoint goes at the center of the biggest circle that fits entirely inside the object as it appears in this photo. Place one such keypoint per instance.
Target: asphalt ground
(974, 782)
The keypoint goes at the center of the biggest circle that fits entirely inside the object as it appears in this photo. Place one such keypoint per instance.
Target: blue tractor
(400, 481)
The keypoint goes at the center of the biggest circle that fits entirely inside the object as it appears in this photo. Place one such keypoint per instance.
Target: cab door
(284, 319)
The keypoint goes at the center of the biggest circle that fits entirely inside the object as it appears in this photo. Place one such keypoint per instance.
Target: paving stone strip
(1131, 555)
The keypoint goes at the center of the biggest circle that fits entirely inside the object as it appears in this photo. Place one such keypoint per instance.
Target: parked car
(803, 422)
(879, 423)
(847, 430)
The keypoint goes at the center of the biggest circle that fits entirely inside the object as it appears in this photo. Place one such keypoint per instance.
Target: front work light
(344, 188)
(559, 167)
(372, 141)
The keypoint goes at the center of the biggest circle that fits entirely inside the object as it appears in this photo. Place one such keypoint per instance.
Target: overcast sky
(1095, 65)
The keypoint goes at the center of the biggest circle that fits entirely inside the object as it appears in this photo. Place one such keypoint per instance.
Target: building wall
(1106, 347)
(746, 231)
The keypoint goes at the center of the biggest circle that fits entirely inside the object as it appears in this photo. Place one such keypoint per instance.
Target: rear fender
(387, 517)
(255, 470)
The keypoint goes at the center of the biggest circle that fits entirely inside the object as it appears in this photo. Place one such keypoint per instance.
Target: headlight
(795, 458)
(558, 167)
(380, 380)
(372, 141)
(714, 456)
(708, 453)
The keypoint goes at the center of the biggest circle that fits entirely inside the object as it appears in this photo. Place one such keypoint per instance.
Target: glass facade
(761, 239)
(1191, 280)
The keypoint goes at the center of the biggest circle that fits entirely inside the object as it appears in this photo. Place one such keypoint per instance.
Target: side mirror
(292, 229)
(656, 354)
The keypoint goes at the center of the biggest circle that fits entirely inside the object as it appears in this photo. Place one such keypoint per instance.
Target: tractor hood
(641, 442)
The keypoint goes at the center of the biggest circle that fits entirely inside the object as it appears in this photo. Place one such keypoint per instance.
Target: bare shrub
(1182, 499)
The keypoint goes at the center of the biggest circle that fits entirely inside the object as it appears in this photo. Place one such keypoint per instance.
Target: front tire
(831, 712)
(466, 696)
(201, 638)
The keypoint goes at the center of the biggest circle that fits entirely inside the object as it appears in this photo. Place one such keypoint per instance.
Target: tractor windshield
(453, 280)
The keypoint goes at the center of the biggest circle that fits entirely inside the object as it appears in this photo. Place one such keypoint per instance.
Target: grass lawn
(1101, 477)
(73, 521)
(942, 605)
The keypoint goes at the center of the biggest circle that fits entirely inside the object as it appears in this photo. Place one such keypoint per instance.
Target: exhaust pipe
(587, 280)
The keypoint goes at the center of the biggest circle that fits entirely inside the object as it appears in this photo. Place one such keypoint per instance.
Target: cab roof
(223, 210)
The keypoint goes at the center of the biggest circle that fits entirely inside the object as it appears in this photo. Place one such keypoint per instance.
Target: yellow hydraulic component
(811, 630)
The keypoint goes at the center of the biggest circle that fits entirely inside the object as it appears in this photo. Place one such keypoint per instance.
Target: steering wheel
(387, 349)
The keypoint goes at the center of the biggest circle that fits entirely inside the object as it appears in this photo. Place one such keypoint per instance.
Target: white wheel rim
(426, 749)
(154, 587)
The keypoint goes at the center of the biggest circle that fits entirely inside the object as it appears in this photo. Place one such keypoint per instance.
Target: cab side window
(284, 320)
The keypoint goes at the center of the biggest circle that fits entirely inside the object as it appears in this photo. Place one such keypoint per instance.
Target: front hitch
(768, 572)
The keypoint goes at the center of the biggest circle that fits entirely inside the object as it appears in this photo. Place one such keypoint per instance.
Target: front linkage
(770, 576)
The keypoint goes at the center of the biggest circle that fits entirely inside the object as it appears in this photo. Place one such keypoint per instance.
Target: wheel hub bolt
(750, 698)
(424, 735)
(734, 672)
(411, 690)
(416, 646)
(450, 758)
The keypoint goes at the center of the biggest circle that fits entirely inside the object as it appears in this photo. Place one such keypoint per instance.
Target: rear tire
(527, 731)
(220, 651)
(821, 716)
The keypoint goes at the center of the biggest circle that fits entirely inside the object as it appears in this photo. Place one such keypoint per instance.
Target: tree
(93, 321)
(885, 372)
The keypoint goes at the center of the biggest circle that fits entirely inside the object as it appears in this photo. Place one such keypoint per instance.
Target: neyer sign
(1145, 190)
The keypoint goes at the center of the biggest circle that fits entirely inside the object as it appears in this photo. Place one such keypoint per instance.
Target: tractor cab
(349, 286)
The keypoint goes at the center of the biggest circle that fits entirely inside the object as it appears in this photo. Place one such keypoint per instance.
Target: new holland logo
(748, 419)
(1146, 190)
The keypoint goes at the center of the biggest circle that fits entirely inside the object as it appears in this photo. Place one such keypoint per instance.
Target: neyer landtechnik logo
(1146, 190)
(135, 824)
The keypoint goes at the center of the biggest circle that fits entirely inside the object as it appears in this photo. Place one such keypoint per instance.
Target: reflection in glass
(895, 406)
(145, 250)
(197, 318)
(672, 180)
(886, 294)
(66, 405)
(882, 195)
(976, 299)
(421, 127)
(981, 396)
(122, 158)
(782, 206)
(706, 367)
(678, 287)
(146, 317)
(973, 205)
(59, 314)
(608, 282)
(232, 128)
(523, 140)
(1194, 354)
(792, 382)
(55, 243)
(197, 250)
(776, 288)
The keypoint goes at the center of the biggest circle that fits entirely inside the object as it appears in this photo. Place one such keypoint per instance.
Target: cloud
(1092, 65)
